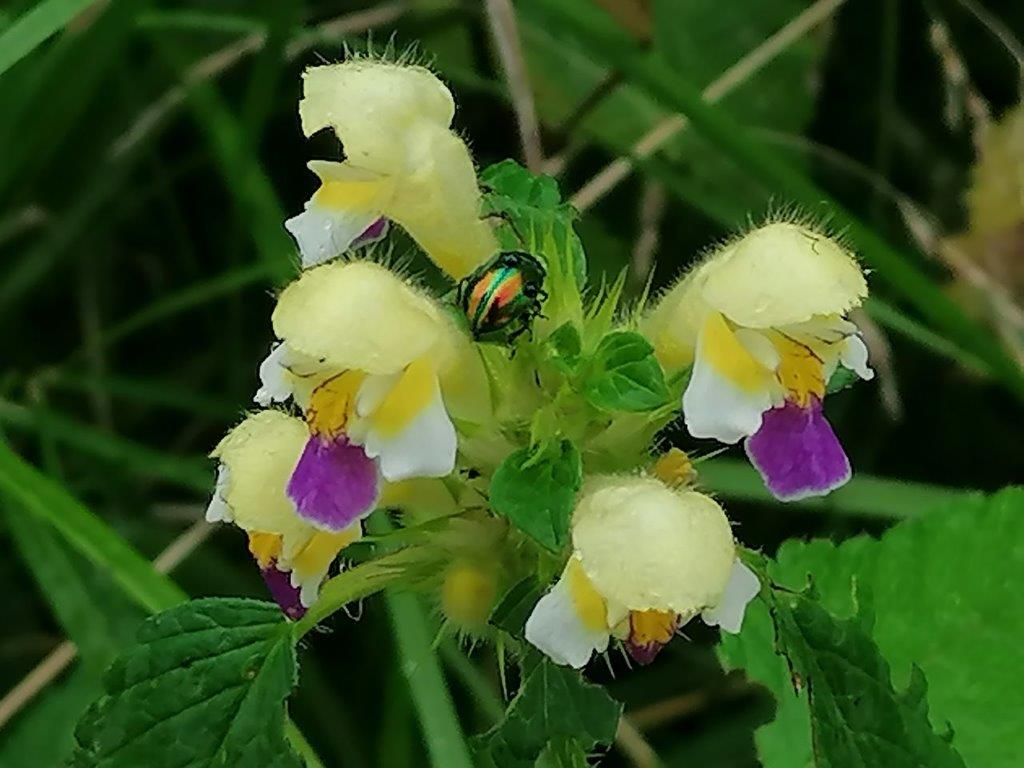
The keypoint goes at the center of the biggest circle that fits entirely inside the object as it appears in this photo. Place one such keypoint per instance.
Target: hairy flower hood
(260, 454)
(778, 275)
(646, 546)
(403, 161)
(361, 316)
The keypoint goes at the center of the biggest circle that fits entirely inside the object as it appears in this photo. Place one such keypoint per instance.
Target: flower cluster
(513, 421)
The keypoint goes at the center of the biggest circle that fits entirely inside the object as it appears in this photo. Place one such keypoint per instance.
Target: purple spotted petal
(797, 453)
(334, 484)
(376, 231)
(284, 594)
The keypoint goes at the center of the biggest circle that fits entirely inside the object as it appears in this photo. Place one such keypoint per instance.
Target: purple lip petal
(284, 594)
(376, 231)
(797, 453)
(334, 484)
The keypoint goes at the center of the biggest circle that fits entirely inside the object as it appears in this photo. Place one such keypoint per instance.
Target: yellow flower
(365, 354)
(646, 558)
(762, 321)
(257, 459)
(403, 163)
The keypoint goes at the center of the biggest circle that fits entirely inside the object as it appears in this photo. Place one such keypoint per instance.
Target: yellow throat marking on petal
(648, 627)
(315, 557)
(413, 392)
(724, 352)
(800, 371)
(265, 547)
(590, 606)
(348, 195)
(674, 468)
(333, 403)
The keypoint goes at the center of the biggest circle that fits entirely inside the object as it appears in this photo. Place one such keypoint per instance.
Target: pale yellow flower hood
(394, 122)
(778, 275)
(361, 316)
(260, 455)
(649, 547)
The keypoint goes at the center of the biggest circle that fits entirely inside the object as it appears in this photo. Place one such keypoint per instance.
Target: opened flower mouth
(762, 322)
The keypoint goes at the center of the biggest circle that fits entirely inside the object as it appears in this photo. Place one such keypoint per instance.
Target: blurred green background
(149, 152)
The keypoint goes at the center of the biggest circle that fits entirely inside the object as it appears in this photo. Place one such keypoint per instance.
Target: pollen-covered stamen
(674, 468)
(649, 632)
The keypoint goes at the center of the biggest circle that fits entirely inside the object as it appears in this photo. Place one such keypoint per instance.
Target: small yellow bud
(468, 593)
(674, 468)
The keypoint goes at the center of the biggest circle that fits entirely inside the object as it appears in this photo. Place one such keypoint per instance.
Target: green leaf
(624, 375)
(842, 378)
(535, 220)
(205, 685)
(563, 753)
(34, 26)
(511, 180)
(943, 586)
(556, 705)
(565, 346)
(535, 490)
(857, 718)
(515, 606)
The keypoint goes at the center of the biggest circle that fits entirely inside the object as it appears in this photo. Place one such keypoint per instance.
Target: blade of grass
(35, 26)
(81, 606)
(143, 461)
(439, 723)
(889, 316)
(193, 19)
(865, 495)
(256, 203)
(188, 298)
(153, 392)
(605, 42)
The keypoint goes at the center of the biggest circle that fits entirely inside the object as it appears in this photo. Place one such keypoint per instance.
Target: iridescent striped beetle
(502, 297)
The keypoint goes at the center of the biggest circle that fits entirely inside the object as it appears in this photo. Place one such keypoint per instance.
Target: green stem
(357, 583)
(301, 745)
(439, 721)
